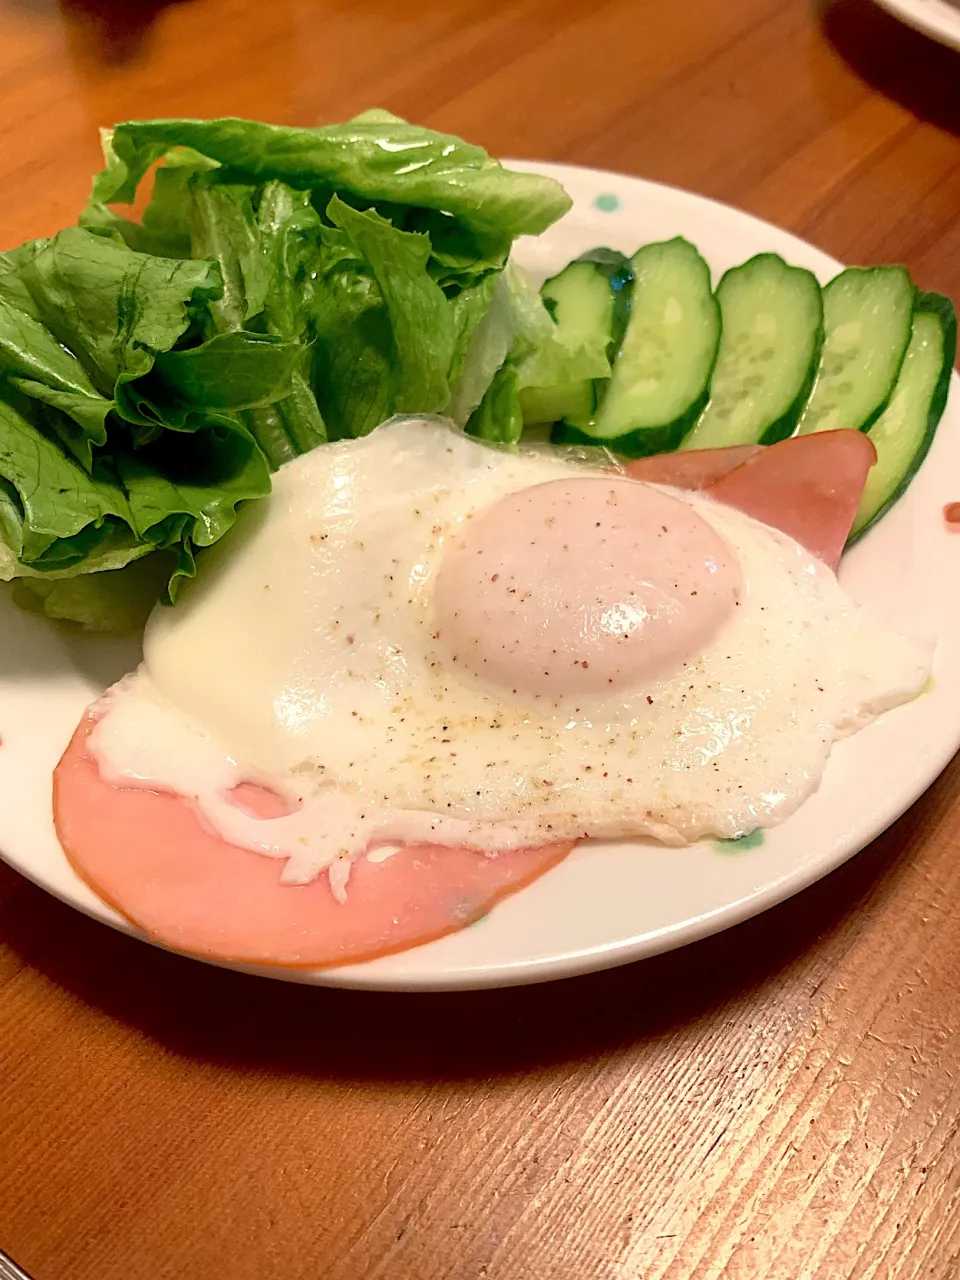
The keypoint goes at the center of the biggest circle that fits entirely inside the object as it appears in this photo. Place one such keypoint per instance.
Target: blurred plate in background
(939, 19)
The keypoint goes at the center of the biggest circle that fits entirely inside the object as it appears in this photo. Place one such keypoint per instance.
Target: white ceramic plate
(607, 903)
(939, 19)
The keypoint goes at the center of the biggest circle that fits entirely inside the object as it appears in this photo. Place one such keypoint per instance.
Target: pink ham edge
(694, 469)
(808, 487)
(147, 855)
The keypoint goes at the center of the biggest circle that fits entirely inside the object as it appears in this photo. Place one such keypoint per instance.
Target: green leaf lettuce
(284, 286)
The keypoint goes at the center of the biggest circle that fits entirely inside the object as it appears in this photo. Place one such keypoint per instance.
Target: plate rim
(933, 18)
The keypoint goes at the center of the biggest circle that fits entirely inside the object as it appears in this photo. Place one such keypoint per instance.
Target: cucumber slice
(590, 299)
(867, 317)
(904, 431)
(634, 444)
(769, 350)
(590, 304)
(659, 380)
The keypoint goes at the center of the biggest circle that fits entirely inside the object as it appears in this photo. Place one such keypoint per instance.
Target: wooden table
(782, 1101)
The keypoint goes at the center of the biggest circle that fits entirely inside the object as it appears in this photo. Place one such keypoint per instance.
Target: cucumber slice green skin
(868, 314)
(564, 296)
(659, 380)
(761, 381)
(923, 402)
(635, 444)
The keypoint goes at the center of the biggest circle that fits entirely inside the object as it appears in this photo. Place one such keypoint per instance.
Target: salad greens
(283, 287)
(518, 345)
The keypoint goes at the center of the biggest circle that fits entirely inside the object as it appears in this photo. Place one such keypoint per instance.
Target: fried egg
(419, 635)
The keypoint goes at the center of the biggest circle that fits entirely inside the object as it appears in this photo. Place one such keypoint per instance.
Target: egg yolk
(582, 585)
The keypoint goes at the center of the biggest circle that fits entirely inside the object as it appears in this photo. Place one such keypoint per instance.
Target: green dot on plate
(607, 203)
(740, 844)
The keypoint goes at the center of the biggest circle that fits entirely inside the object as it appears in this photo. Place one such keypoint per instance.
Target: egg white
(307, 650)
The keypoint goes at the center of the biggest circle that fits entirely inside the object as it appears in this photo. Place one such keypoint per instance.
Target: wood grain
(781, 1101)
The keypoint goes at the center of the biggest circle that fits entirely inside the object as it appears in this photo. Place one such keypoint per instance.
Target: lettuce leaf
(395, 234)
(517, 345)
(289, 230)
(237, 370)
(283, 286)
(179, 493)
(376, 158)
(385, 332)
(262, 240)
(89, 485)
(112, 307)
(36, 364)
(114, 600)
(498, 417)
(486, 347)
(165, 227)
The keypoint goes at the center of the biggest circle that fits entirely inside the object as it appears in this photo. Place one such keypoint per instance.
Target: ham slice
(694, 469)
(808, 486)
(147, 855)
